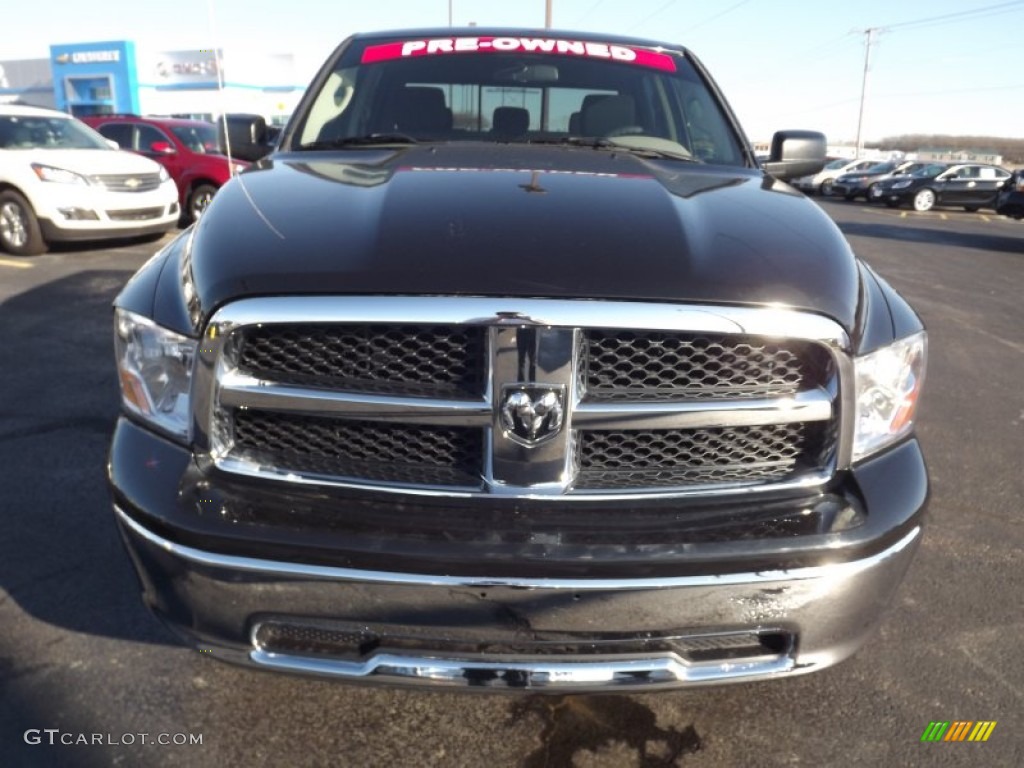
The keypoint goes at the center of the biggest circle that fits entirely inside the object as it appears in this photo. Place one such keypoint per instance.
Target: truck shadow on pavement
(61, 559)
(945, 236)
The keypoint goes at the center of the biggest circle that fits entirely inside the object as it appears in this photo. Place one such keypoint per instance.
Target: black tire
(825, 190)
(198, 199)
(19, 228)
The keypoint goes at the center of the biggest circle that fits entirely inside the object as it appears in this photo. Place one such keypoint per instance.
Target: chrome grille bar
(238, 390)
(814, 405)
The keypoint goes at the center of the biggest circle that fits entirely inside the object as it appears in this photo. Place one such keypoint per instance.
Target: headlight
(155, 368)
(164, 175)
(901, 184)
(59, 175)
(888, 388)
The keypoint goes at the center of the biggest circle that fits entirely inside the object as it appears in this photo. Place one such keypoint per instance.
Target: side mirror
(162, 148)
(796, 153)
(113, 144)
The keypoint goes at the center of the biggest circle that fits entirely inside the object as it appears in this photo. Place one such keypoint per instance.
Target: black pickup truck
(511, 368)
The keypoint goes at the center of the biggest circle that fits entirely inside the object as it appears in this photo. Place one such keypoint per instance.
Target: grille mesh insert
(640, 365)
(391, 359)
(630, 459)
(135, 214)
(319, 637)
(360, 449)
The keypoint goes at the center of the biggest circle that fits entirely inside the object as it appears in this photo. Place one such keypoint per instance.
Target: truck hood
(519, 220)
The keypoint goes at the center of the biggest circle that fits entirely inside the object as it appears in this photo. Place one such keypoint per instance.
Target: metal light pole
(449, 13)
(870, 32)
(547, 14)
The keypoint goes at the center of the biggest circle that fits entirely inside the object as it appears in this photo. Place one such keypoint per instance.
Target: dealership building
(115, 77)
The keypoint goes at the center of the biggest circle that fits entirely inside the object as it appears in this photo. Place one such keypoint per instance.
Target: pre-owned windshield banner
(452, 45)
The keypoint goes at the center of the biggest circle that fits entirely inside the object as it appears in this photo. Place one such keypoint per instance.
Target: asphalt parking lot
(80, 656)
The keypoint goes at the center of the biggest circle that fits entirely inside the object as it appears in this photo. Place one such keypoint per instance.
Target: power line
(818, 107)
(589, 13)
(946, 18)
(643, 21)
(716, 16)
(953, 16)
(834, 48)
(1018, 87)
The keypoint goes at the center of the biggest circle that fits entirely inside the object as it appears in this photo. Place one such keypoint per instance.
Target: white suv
(60, 180)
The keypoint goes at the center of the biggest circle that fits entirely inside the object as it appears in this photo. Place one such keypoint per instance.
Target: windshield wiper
(623, 145)
(596, 142)
(372, 139)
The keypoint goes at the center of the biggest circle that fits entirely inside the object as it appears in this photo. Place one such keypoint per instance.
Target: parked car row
(863, 183)
(970, 185)
(822, 182)
(921, 185)
(63, 178)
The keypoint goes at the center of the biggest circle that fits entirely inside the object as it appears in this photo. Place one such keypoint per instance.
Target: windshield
(518, 90)
(199, 138)
(880, 168)
(34, 132)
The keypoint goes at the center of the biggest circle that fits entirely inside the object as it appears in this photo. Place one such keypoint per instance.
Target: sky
(936, 66)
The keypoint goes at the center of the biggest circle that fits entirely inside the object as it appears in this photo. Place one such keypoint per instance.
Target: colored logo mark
(959, 730)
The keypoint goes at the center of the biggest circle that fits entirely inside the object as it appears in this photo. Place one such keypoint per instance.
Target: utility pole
(547, 14)
(449, 13)
(870, 35)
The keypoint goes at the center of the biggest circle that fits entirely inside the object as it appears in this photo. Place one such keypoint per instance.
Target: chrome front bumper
(220, 602)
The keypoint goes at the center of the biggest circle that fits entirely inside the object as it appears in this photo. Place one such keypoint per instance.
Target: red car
(188, 149)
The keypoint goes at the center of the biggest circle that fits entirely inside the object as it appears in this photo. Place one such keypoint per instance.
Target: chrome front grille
(128, 182)
(531, 397)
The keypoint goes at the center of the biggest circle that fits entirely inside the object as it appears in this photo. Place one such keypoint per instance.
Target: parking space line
(15, 264)
(932, 215)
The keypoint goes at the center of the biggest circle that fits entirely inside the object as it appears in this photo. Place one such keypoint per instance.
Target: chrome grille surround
(544, 342)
